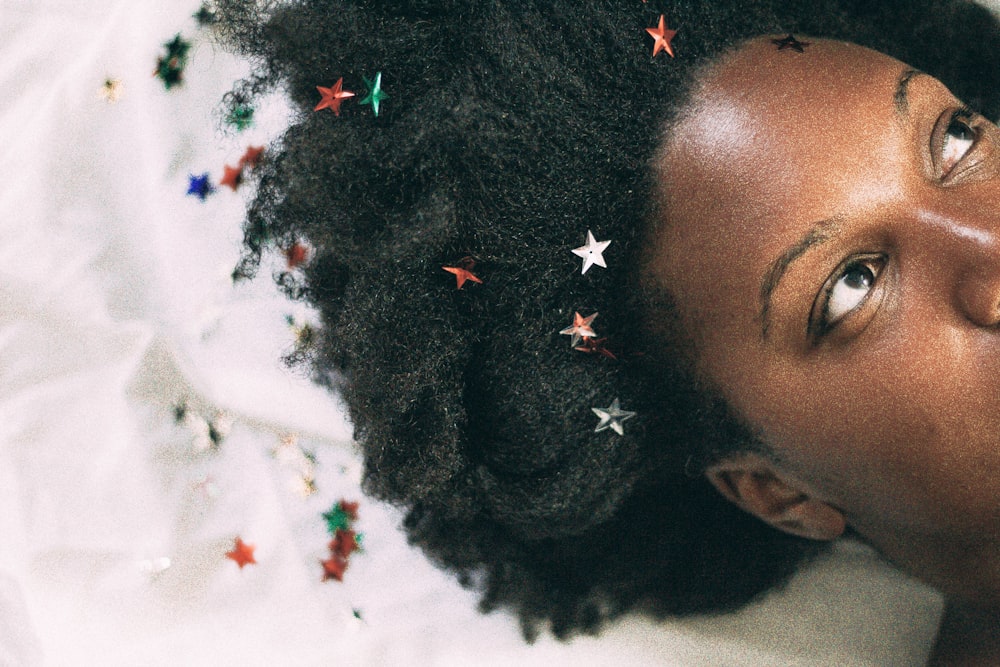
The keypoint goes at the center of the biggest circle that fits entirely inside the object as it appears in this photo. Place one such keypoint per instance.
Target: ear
(750, 482)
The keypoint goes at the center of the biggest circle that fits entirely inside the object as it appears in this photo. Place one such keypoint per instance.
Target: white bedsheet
(116, 306)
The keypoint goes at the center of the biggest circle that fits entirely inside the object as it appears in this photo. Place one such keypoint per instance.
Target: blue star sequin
(199, 186)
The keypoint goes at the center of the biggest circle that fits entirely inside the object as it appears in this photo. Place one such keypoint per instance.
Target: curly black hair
(509, 129)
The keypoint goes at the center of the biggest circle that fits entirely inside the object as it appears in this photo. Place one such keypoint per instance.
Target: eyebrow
(900, 98)
(818, 234)
(821, 231)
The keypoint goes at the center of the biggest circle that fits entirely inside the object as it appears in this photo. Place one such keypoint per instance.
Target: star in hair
(592, 253)
(790, 43)
(375, 93)
(297, 255)
(332, 98)
(240, 117)
(333, 567)
(242, 553)
(580, 328)
(595, 346)
(612, 417)
(232, 177)
(662, 36)
(463, 271)
(199, 186)
(111, 90)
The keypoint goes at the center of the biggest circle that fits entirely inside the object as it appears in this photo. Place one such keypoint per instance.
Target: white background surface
(116, 304)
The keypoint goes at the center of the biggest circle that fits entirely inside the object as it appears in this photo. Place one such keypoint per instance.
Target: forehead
(772, 142)
(770, 119)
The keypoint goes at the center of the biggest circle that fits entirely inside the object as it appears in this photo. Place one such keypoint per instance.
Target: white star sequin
(612, 417)
(592, 253)
(580, 328)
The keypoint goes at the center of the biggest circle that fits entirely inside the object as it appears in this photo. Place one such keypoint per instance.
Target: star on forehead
(580, 328)
(662, 36)
(592, 253)
(612, 417)
(790, 43)
(333, 97)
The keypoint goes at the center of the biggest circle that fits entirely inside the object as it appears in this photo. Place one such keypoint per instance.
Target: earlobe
(751, 484)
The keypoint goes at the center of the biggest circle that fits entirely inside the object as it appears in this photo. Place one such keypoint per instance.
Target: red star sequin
(461, 275)
(790, 43)
(297, 255)
(463, 271)
(333, 567)
(350, 509)
(344, 543)
(595, 346)
(580, 329)
(662, 36)
(251, 158)
(232, 177)
(242, 553)
(333, 97)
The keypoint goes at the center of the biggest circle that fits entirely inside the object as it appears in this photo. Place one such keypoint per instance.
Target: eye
(845, 292)
(958, 139)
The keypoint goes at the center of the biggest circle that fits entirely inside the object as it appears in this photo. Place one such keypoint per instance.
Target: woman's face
(832, 239)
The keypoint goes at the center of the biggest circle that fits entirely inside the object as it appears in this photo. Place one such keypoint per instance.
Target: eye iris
(958, 140)
(859, 276)
(960, 131)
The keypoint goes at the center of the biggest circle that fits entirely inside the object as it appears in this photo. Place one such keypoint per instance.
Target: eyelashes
(954, 139)
(851, 288)
(847, 290)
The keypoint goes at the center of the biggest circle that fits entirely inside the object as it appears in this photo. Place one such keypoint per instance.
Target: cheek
(908, 432)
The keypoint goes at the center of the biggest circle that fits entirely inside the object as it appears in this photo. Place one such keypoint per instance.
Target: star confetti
(790, 43)
(333, 567)
(463, 271)
(297, 255)
(333, 97)
(595, 346)
(111, 90)
(242, 553)
(232, 177)
(199, 186)
(205, 15)
(580, 328)
(662, 36)
(252, 156)
(612, 417)
(592, 253)
(291, 455)
(170, 67)
(240, 117)
(375, 93)
(340, 516)
(155, 566)
(345, 542)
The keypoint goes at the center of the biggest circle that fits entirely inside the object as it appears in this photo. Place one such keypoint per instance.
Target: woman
(797, 306)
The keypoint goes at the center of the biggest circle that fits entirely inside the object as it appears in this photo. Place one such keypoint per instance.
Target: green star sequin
(375, 93)
(240, 117)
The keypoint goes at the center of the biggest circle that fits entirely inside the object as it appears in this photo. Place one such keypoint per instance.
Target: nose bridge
(965, 236)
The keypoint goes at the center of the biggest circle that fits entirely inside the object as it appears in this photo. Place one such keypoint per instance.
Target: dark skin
(831, 235)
